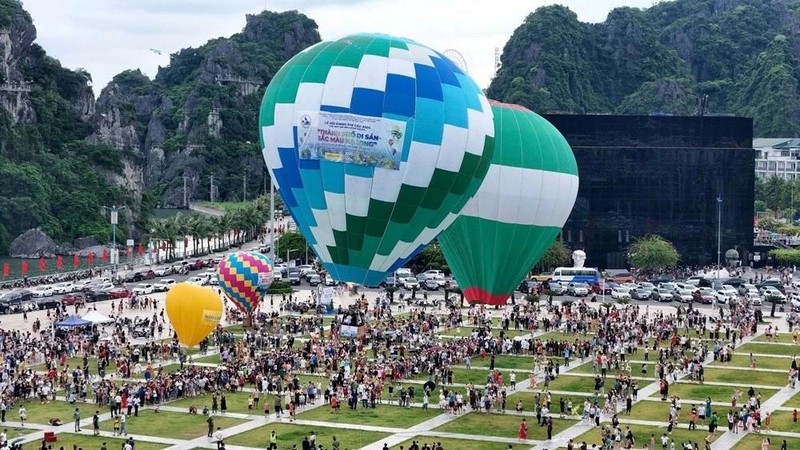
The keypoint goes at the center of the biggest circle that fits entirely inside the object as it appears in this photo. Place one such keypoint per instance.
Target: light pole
(114, 214)
(272, 219)
(719, 234)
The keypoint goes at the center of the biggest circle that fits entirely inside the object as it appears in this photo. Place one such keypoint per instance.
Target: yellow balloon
(194, 312)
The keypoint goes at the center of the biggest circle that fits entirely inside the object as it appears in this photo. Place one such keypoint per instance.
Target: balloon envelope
(194, 311)
(376, 143)
(244, 276)
(524, 200)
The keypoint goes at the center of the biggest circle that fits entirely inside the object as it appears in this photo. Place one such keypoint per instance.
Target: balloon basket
(247, 321)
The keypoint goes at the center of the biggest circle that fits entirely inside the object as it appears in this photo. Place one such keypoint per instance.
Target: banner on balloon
(352, 332)
(350, 138)
(265, 279)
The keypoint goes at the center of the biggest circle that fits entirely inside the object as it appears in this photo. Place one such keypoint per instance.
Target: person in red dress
(523, 430)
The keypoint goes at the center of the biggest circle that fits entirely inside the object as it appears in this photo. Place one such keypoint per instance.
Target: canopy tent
(73, 321)
(97, 318)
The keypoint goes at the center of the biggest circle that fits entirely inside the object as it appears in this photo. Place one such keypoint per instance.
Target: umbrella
(429, 386)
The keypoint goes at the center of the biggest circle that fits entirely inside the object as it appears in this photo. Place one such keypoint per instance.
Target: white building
(777, 157)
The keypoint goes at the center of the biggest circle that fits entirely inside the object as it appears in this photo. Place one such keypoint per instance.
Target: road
(206, 210)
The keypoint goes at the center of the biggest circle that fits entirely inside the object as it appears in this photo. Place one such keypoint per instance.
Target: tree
(555, 256)
(431, 257)
(786, 256)
(652, 253)
(774, 300)
(291, 245)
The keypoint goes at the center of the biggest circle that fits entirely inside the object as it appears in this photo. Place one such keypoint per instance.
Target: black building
(661, 175)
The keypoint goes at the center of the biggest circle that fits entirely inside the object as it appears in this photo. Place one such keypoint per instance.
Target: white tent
(97, 318)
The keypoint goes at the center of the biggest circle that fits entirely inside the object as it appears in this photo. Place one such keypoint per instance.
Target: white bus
(586, 275)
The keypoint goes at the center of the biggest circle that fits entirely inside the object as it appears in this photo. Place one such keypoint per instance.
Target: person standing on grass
(96, 423)
(210, 422)
(123, 431)
(76, 416)
(23, 415)
(522, 432)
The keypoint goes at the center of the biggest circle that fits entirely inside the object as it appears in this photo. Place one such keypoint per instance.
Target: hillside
(64, 154)
(742, 54)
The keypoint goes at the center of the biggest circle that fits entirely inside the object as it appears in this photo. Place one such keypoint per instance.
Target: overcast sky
(106, 37)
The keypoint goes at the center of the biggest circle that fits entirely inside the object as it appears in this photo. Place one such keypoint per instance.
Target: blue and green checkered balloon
(375, 143)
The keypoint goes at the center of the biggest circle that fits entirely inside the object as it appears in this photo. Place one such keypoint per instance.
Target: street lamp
(114, 214)
(719, 234)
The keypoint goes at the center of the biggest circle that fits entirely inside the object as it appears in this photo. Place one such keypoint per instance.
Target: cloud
(108, 36)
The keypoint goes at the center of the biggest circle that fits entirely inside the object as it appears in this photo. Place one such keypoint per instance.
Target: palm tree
(180, 229)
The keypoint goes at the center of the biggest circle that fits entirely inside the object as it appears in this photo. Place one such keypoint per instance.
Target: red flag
(42, 264)
(6, 270)
(104, 255)
(76, 261)
(59, 262)
(24, 267)
(90, 258)
(141, 250)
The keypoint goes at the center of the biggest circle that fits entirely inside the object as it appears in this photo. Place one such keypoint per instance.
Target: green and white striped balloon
(519, 209)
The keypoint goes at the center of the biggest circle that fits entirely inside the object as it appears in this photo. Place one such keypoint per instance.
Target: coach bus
(586, 275)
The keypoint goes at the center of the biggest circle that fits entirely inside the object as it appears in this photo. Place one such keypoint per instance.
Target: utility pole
(185, 194)
(114, 215)
(272, 219)
(719, 234)
(244, 187)
(212, 189)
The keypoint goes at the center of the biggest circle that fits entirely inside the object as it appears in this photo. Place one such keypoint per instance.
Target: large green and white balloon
(376, 143)
(525, 199)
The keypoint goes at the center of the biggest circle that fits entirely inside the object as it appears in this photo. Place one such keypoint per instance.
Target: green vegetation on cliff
(742, 54)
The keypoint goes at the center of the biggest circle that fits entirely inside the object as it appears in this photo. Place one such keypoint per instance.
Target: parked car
(705, 295)
(640, 293)
(753, 298)
(63, 288)
(578, 289)
(42, 291)
(603, 288)
(314, 279)
(143, 289)
(72, 299)
(683, 295)
(163, 271)
(304, 269)
(525, 286)
(164, 285)
(772, 282)
(134, 277)
(768, 292)
(309, 274)
(430, 284)
(670, 286)
(662, 278)
(197, 264)
(621, 293)
(119, 292)
(329, 281)
(451, 283)
(662, 295)
(293, 277)
(410, 283)
(47, 303)
(730, 290)
(97, 296)
(180, 269)
(746, 288)
(542, 277)
(619, 276)
(200, 281)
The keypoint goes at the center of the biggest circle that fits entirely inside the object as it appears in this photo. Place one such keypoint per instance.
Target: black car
(663, 278)
(97, 296)
(134, 277)
(47, 303)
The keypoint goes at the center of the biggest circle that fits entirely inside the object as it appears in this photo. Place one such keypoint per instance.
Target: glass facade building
(660, 175)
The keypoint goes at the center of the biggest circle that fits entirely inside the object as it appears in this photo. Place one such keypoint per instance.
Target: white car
(747, 288)
(304, 269)
(768, 292)
(722, 297)
(410, 283)
(684, 295)
(143, 289)
(621, 293)
(578, 289)
(329, 281)
(162, 271)
(42, 291)
(80, 284)
(200, 281)
(164, 285)
(276, 275)
(730, 290)
(63, 288)
(755, 299)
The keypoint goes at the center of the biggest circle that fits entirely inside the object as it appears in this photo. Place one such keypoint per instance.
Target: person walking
(219, 439)
(122, 420)
(522, 432)
(210, 422)
(96, 423)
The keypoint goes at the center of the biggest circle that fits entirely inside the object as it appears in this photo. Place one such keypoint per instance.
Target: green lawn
(236, 403)
(762, 362)
(769, 349)
(467, 331)
(572, 383)
(173, 425)
(528, 401)
(782, 421)
(641, 435)
(700, 392)
(501, 425)
(784, 337)
(656, 411)
(210, 359)
(39, 413)
(383, 415)
(753, 441)
(778, 379)
(793, 402)
(87, 441)
(518, 363)
(289, 434)
(561, 336)
(476, 376)
(463, 444)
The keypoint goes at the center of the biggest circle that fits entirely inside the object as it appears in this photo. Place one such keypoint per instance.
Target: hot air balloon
(376, 143)
(244, 276)
(194, 312)
(518, 211)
